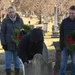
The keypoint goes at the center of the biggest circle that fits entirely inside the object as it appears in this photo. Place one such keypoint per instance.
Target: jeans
(8, 59)
(64, 58)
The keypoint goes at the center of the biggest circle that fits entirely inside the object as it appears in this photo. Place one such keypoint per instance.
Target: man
(67, 26)
(9, 23)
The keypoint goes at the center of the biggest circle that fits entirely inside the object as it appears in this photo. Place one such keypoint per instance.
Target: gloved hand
(22, 32)
(27, 62)
(5, 47)
(61, 47)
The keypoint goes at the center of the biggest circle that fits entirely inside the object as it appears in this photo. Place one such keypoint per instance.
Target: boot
(8, 71)
(17, 70)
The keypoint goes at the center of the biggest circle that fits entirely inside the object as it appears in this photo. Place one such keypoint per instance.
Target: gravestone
(38, 66)
(55, 32)
(55, 28)
(31, 26)
(58, 60)
(57, 56)
(45, 27)
(39, 27)
(45, 52)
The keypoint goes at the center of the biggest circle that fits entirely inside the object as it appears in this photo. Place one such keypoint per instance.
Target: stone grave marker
(38, 66)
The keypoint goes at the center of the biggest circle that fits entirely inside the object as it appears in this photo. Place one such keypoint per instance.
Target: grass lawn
(32, 21)
(49, 43)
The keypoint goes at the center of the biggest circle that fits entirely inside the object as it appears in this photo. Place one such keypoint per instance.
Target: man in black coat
(31, 44)
(67, 26)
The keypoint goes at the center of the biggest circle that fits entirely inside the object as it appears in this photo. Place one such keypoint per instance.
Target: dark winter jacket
(66, 27)
(6, 32)
(30, 45)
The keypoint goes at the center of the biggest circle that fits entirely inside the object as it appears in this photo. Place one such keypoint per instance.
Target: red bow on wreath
(70, 41)
(19, 37)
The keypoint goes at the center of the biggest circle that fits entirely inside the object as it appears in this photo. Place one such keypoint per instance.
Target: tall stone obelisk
(55, 18)
(55, 30)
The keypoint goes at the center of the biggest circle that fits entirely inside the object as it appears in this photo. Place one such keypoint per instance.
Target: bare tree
(45, 7)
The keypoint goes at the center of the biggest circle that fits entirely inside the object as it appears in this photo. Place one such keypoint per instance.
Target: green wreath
(70, 41)
(16, 35)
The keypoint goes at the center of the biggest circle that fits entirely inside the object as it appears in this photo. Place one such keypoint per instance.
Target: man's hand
(5, 47)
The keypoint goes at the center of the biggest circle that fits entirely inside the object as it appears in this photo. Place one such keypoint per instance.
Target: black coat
(66, 27)
(31, 44)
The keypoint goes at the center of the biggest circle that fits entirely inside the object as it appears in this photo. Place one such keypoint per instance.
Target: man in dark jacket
(9, 23)
(31, 44)
(67, 26)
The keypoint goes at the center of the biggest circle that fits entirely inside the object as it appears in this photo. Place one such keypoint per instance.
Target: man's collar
(71, 19)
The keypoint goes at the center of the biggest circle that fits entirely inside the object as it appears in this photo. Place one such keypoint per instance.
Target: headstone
(31, 26)
(55, 28)
(39, 27)
(45, 26)
(38, 66)
(44, 57)
(57, 56)
(58, 59)
(45, 52)
(55, 17)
